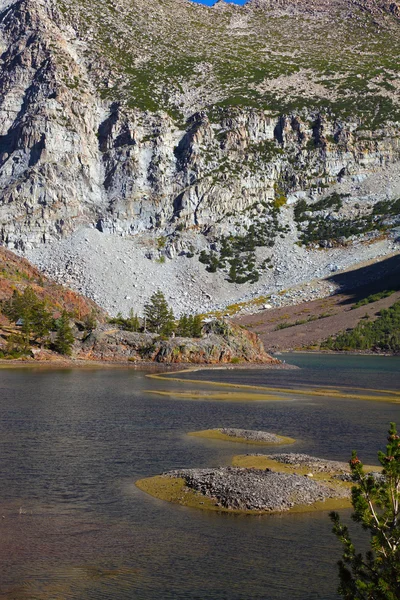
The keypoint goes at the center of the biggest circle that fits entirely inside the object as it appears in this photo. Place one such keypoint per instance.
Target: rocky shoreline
(59, 362)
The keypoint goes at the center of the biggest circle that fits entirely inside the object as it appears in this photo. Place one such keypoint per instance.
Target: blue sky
(211, 2)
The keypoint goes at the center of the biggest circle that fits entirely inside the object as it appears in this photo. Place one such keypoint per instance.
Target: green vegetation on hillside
(157, 50)
(236, 254)
(131, 323)
(64, 338)
(383, 334)
(159, 318)
(373, 298)
(189, 326)
(34, 323)
(286, 325)
(320, 229)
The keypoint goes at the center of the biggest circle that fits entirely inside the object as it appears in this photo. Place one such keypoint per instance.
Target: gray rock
(253, 489)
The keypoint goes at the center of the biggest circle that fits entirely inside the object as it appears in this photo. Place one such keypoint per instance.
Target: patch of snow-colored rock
(117, 273)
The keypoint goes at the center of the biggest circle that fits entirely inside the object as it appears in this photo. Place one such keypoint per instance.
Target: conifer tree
(65, 339)
(376, 503)
(190, 326)
(159, 317)
(169, 326)
(183, 329)
(197, 326)
(90, 321)
(132, 322)
(36, 320)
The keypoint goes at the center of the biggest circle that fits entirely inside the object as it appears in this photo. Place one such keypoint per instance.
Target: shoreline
(66, 363)
(156, 366)
(338, 353)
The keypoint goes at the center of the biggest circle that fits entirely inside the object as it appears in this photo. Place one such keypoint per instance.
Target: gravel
(116, 272)
(249, 434)
(318, 465)
(253, 489)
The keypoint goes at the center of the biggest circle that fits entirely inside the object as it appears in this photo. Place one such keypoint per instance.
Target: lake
(73, 442)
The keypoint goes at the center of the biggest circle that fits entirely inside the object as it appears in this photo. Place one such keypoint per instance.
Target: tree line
(382, 334)
(159, 318)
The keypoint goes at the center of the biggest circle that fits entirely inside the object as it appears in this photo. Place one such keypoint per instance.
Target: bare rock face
(49, 164)
(90, 136)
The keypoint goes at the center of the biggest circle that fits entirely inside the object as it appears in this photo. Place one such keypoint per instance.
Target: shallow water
(73, 442)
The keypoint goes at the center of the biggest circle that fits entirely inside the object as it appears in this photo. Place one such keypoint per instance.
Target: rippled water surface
(73, 442)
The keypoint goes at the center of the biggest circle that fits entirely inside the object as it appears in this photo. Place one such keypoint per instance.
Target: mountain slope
(92, 335)
(198, 129)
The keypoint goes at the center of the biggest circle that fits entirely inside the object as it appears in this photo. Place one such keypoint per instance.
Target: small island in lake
(243, 436)
(258, 484)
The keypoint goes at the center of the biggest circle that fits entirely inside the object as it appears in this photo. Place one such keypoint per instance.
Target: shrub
(376, 505)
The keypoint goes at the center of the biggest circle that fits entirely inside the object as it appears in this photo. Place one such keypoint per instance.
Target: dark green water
(73, 442)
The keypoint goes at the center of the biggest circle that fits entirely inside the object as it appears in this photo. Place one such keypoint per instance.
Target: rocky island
(258, 484)
(243, 436)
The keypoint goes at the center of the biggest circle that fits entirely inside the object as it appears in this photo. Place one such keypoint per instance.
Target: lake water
(73, 442)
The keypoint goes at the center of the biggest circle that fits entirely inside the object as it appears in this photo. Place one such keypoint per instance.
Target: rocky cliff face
(111, 117)
(68, 157)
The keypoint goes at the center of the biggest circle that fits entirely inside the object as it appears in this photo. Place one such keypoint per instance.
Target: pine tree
(90, 321)
(132, 322)
(169, 326)
(197, 326)
(190, 326)
(65, 339)
(159, 317)
(183, 329)
(376, 503)
(36, 319)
